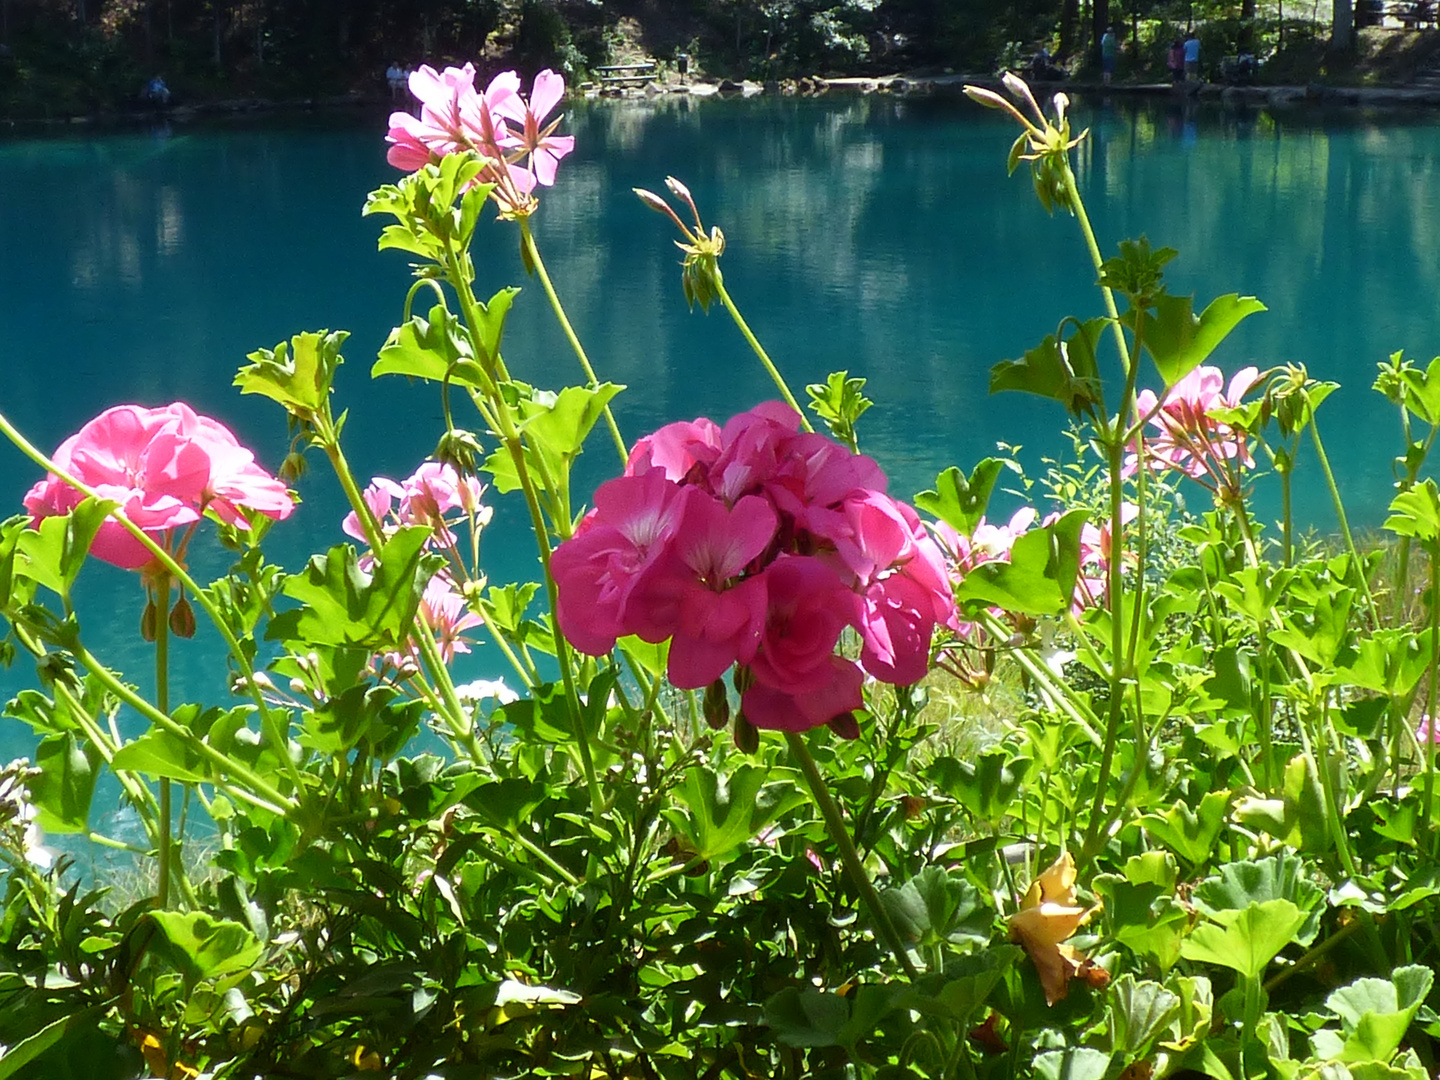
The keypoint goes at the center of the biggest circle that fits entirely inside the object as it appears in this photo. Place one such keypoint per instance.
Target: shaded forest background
(68, 57)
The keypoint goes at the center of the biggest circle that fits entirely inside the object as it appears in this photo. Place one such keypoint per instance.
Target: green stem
(1357, 565)
(161, 600)
(835, 824)
(532, 251)
(1430, 694)
(261, 793)
(509, 436)
(759, 350)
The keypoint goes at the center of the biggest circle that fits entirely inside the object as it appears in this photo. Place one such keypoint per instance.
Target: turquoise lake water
(877, 235)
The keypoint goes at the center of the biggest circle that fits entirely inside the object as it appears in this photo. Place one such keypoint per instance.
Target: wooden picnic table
(639, 73)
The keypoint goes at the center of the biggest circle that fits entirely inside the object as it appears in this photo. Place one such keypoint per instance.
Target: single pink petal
(546, 93)
(839, 692)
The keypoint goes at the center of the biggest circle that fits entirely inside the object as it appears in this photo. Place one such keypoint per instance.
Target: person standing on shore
(1192, 56)
(1109, 50)
(397, 78)
(1175, 60)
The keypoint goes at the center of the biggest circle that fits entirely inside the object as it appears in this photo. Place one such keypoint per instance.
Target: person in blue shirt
(1109, 50)
(1192, 56)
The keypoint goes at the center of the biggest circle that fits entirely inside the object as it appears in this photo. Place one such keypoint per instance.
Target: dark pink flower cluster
(497, 123)
(165, 468)
(757, 544)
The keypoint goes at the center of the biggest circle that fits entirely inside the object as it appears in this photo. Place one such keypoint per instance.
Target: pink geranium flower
(757, 544)
(1187, 437)
(455, 117)
(544, 147)
(164, 468)
(695, 596)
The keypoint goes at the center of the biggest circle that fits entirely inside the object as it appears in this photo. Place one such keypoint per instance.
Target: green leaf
(1178, 342)
(839, 401)
(1138, 1011)
(1076, 1063)
(1422, 391)
(15, 1058)
(1298, 816)
(959, 501)
(432, 349)
(1376, 1013)
(719, 812)
(202, 947)
(65, 786)
(344, 605)
(1245, 941)
(162, 755)
(1416, 513)
(1237, 885)
(1190, 834)
(807, 1017)
(1064, 370)
(1039, 579)
(936, 906)
(298, 375)
(53, 553)
(969, 981)
(507, 803)
(984, 787)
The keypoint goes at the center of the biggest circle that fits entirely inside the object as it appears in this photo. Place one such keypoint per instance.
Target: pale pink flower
(165, 468)
(445, 612)
(542, 144)
(455, 117)
(1095, 552)
(1187, 438)
(381, 496)
(1426, 732)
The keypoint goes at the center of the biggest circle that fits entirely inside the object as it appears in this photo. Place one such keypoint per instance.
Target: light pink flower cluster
(757, 544)
(1188, 438)
(429, 497)
(989, 543)
(165, 468)
(497, 123)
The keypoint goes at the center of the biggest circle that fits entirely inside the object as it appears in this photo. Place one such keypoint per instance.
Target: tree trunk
(1342, 29)
(1069, 18)
(219, 60)
(1099, 20)
(1245, 42)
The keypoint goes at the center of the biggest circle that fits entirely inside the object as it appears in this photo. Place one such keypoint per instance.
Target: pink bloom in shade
(683, 451)
(755, 447)
(380, 496)
(837, 693)
(542, 144)
(165, 468)
(1095, 553)
(445, 612)
(1426, 732)
(695, 593)
(433, 490)
(596, 570)
(799, 682)
(1188, 438)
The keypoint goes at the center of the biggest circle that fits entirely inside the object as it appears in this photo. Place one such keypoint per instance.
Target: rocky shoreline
(1254, 96)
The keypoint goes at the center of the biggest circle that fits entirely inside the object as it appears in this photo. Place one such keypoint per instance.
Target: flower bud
(653, 201)
(743, 678)
(747, 735)
(716, 705)
(678, 189)
(293, 467)
(148, 620)
(460, 449)
(182, 618)
(845, 725)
